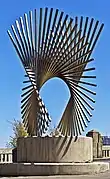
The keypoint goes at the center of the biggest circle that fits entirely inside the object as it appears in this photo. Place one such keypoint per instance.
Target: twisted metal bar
(50, 44)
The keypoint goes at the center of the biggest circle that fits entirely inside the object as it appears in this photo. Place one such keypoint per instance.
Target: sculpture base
(54, 149)
(43, 169)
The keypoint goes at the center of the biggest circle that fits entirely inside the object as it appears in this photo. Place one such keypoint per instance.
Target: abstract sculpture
(50, 44)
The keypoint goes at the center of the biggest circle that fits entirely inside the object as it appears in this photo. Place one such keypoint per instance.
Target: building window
(107, 153)
(103, 152)
(3, 157)
(7, 158)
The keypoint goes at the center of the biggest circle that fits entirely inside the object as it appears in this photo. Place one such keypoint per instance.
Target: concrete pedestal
(53, 156)
(54, 149)
(43, 169)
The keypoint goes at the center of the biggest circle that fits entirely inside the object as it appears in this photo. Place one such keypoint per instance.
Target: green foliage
(18, 131)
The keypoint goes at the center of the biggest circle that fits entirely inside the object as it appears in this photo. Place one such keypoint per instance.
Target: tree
(18, 131)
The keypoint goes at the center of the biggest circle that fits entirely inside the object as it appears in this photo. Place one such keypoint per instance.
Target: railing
(106, 151)
(6, 158)
(5, 155)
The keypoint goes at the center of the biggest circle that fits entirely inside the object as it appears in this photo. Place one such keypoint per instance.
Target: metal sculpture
(50, 44)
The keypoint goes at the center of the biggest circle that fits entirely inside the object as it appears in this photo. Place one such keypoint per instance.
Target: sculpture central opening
(55, 94)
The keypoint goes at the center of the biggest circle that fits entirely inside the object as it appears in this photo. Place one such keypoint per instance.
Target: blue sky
(55, 92)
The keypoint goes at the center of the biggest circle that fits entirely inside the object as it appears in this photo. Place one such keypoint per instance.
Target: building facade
(106, 140)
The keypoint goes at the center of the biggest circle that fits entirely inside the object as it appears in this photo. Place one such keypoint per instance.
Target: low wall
(54, 149)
